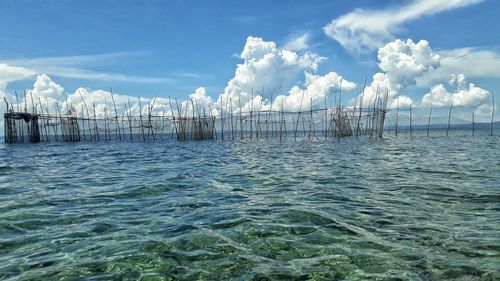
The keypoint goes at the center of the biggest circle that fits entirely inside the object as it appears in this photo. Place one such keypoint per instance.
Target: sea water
(421, 208)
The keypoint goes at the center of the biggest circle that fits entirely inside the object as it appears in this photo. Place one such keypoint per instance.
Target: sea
(396, 208)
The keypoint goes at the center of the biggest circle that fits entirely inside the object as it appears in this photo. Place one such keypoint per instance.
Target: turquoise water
(390, 209)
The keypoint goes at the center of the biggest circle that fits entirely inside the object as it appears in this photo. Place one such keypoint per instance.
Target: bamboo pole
(150, 124)
(140, 120)
(6, 131)
(259, 127)
(213, 122)
(231, 118)
(411, 128)
(88, 115)
(33, 108)
(68, 119)
(473, 123)
(95, 123)
(269, 118)
(360, 108)
(492, 113)
(25, 103)
(83, 125)
(221, 119)
(282, 121)
(129, 119)
(60, 122)
(325, 128)
(397, 115)
(240, 116)
(123, 124)
(449, 119)
(181, 121)
(106, 127)
(21, 123)
(298, 116)
(173, 117)
(225, 107)
(310, 119)
(429, 122)
(117, 125)
(251, 117)
(44, 122)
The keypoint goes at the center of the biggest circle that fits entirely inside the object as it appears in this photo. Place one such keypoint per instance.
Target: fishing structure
(193, 122)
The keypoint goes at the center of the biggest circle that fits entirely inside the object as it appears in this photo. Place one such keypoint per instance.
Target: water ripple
(355, 209)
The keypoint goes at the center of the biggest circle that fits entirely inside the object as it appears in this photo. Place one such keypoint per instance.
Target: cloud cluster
(268, 71)
(472, 62)
(275, 77)
(465, 94)
(316, 89)
(298, 43)
(267, 75)
(401, 63)
(364, 30)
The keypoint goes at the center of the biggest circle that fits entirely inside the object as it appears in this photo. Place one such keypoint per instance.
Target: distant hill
(454, 124)
(439, 120)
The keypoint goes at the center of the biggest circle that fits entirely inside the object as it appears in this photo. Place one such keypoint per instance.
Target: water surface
(350, 209)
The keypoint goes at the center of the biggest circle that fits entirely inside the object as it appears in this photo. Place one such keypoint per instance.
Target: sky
(421, 52)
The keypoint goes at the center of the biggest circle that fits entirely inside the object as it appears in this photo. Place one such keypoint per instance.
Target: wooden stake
(140, 120)
(95, 123)
(429, 122)
(88, 115)
(231, 117)
(117, 125)
(397, 115)
(472, 123)
(411, 128)
(251, 116)
(449, 119)
(360, 108)
(492, 112)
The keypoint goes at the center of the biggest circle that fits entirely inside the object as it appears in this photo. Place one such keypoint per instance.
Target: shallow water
(396, 208)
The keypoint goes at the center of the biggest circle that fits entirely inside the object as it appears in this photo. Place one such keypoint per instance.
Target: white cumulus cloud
(275, 70)
(316, 89)
(465, 94)
(401, 63)
(472, 62)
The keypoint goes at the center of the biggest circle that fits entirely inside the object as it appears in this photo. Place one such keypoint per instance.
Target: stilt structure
(192, 122)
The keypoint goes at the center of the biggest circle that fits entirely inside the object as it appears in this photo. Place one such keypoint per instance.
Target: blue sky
(170, 48)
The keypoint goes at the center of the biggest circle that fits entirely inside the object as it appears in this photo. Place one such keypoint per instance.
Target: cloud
(45, 87)
(266, 66)
(278, 76)
(364, 30)
(298, 43)
(472, 62)
(199, 103)
(316, 89)
(10, 73)
(75, 60)
(78, 73)
(401, 63)
(74, 67)
(48, 96)
(465, 94)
